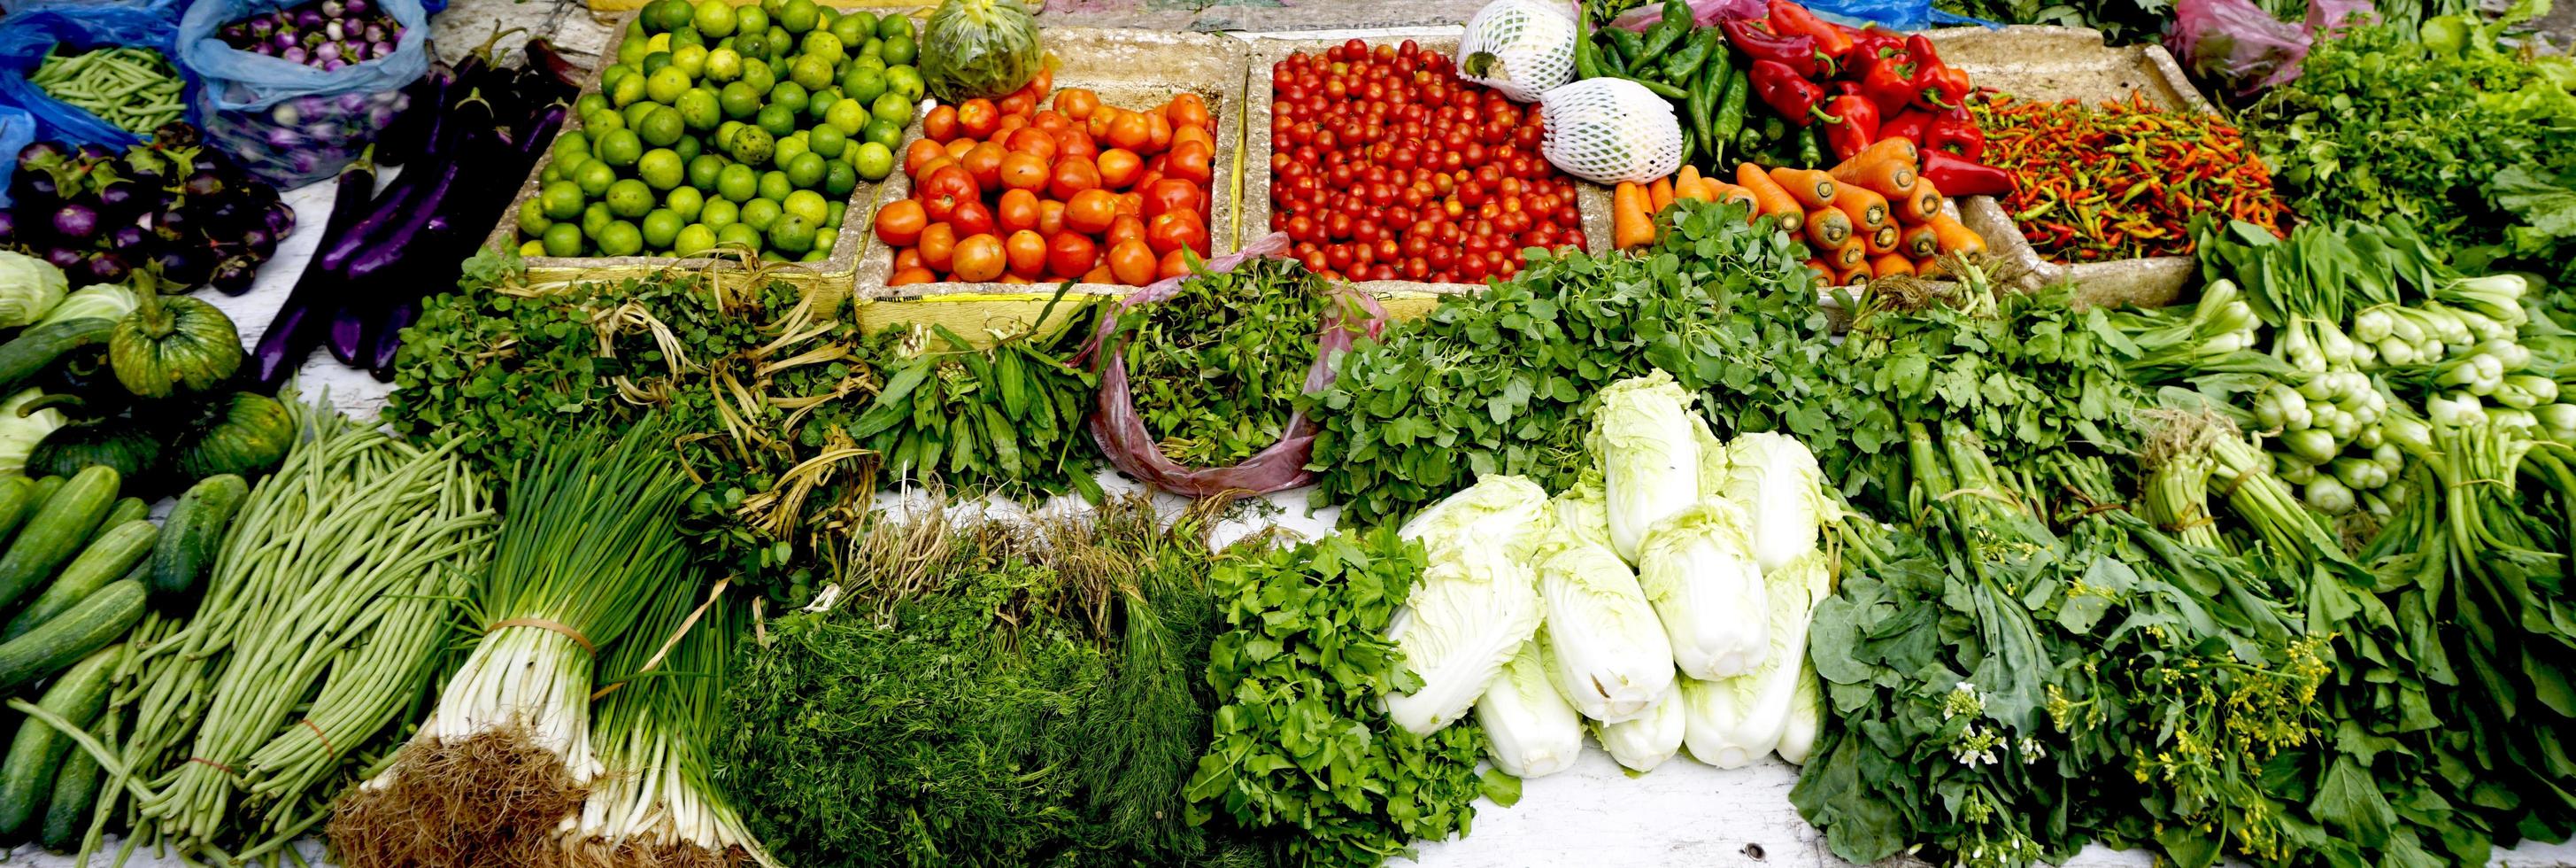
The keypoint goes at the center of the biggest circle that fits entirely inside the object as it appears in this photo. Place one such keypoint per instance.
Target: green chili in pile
(2124, 179)
(1215, 368)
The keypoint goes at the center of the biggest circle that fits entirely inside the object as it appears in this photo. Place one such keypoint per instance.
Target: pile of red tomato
(1005, 191)
(1385, 166)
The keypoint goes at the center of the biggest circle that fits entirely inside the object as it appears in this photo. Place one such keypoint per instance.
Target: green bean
(135, 89)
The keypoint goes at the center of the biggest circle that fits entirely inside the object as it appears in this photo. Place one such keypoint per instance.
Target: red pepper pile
(2123, 180)
(1867, 85)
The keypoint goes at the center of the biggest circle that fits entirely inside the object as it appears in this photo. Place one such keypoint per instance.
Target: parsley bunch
(1214, 369)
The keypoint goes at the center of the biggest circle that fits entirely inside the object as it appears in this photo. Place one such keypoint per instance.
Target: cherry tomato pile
(1006, 191)
(1385, 166)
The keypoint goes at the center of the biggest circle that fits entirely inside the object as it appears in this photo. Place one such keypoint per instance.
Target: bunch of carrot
(1872, 216)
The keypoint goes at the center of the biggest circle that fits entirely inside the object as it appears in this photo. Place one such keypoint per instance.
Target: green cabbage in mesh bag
(979, 48)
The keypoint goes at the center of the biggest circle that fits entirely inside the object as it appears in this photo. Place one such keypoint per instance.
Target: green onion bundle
(592, 537)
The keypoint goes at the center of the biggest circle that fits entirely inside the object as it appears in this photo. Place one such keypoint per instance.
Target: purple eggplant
(8, 226)
(76, 222)
(293, 332)
(173, 224)
(234, 275)
(184, 266)
(94, 151)
(121, 198)
(279, 219)
(107, 268)
(40, 156)
(65, 258)
(388, 338)
(126, 239)
(259, 242)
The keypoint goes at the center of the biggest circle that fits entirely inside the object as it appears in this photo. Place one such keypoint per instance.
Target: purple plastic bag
(1121, 433)
(2235, 42)
(1705, 13)
(2325, 17)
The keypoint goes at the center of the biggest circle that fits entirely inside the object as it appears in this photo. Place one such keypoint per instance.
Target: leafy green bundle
(984, 694)
(1213, 369)
(1501, 381)
(1004, 418)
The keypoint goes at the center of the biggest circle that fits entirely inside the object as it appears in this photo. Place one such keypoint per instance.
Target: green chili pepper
(1661, 89)
(1811, 146)
(1705, 92)
(1730, 108)
(1682, 65)
(1675, 25)
(1585, 64)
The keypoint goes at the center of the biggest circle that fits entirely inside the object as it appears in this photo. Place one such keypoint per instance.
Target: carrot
(1630, 224)
(1823, 271)
(1881, 240)
(1660, 194)
(1849, 254)
(1768, 198)
(1828, 228)
(1866, 208)
(1812, 188)
(1919, 241)
(1721, 191)
(1953, 237)
(1890, 265)
(1896, 148)
(1918, 205)
(1890, 177)
(1853, 276)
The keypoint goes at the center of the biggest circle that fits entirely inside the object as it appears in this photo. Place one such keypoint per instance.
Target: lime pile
(726, 126)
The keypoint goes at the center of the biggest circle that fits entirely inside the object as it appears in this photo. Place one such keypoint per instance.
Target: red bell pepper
(1890, 81)
(1954, 175)
(1792, 19)
(1873, 44)
(1797, 52)
(1796, 99)
(1910, 124)
(1937, 86)
(1857, 129)
(1956, 132)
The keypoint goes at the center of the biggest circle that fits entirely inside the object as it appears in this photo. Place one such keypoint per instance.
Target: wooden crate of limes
(721, 131)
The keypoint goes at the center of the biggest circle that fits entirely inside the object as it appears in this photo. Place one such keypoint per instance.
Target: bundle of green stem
(659, 805)
(314, 643)
(592, 537)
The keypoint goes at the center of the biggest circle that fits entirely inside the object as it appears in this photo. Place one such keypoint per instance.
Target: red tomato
(940, 124)
(910, 276)
(1051, 121)
(1073, 175)
(1074, 143)
(1069, 254)
(1174, 230)
(1119, 168)
(1188, 111)
(979, 259)
(984, 162)
(1050, 217)
(1127, 227)
(1027, 253)
(1171, 194)
(1017, 210)
(1132, 263)
(1019, 104)
(1191, 162)
(1076, 103)
(1031, 140)
(938, 246)
(1132, 131)
(899, 223)
(1021, 170)
(978, 118)
(1090, 211)
(1174, 264)
(921, 152)
(944, 189)
(971, 218)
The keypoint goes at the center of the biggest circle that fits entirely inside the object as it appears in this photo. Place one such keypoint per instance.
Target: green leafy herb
(1214, 370)
(1005, 418)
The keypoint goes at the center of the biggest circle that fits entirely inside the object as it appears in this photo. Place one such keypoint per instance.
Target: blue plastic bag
(24, 39)
(17, 131)
(1892, 14)
(288, 123)
(166, 7)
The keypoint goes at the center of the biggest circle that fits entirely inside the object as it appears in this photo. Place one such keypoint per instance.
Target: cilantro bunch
(1214, 370)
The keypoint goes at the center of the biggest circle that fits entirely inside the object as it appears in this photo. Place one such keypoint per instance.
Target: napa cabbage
(1646, 741)
(1532, 731)
(1648, 446)
(1697, 569)
(1477, 603)
(1776, 480)
(1603, 648)
(1806, 715)
(1734, 721)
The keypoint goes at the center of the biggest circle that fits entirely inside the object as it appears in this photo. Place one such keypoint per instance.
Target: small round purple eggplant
(259, 241)
(95, 151)
(108, 268)
(203, 183)
(185, 266)
(295, 54)
(33, 191)
(42, 155)
(76, 222)
(280, 219)
(65, 258)
(358, 7)
(126, 238)
(122, 198)
(234, 275)
(177, 134)
(8, 226)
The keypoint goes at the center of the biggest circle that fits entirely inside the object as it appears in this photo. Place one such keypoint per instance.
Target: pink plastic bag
(1705, 13)
(2235, 42)
(2325, 17)
(1121, 432)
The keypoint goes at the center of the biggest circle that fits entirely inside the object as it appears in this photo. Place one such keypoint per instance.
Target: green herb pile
(1215, 370)
(1303, 745)
(1501, 381)
(1005, 418)
(985, 694)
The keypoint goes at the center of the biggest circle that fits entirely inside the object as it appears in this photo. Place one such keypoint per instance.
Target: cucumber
(126, 509)
(27, 776)
(91, 624)
(14, 500)
(75, 794)
(56, 531)
(106, 560)
(34, 349)
(38, 492)
(194, 532)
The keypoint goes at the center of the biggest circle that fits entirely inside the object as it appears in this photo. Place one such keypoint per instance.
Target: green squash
(173, 344)
(128, 448)
(244, 433)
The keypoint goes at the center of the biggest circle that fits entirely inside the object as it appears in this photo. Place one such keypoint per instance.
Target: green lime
(806, 170)
(691, 59)
(758, 74)
(739, 100)
(725, 133)
(629, 198)
(819, 107)
(760, 213)
(700, 109)
(671, 15)
(588, 103)
(569, 168)
(833, 217)
(686, 37)
(738, 235)
(719, 213)
(807, 204)
(788, 150)
(872, 52)
(839, 179)
(661, 126)
(899, 50)
(667, 85)
(847, 115)
(536, 247)
(816, 255)
(621, 148)
(752, 146)
(573, 142)
(791, 234)
(779, 42)
(687, 147)
(874, 161)
(827, 140)
(798, 16)
(906, 80)
(892, 26)
(532, 217)
(777, 119)
(826, 238)
(655, 62)
(685, 201)
(788, 95)
(713, 17)
(693, 239)
(595, 217)
(750, 19)
(892, 108)
(632, 117)
(608, 78)
(883, 132)
(563, 239)
(738, 183)
(863, 84)
(662, 168)
(774, 186)
(822, 44)
(631, 50)
(703, 169)
(626, 91)
(811, 72)
(593, 179)
(620, 238)
(601, 122)
(551, 173)
(660, 227)
(723, 64)
(752, 46)
(854, 26)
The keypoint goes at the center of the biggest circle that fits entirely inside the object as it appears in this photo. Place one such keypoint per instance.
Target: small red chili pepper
(1796, 99)
(1857, 129)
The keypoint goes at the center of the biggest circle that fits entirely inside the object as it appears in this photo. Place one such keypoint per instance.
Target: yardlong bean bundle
(133, 88)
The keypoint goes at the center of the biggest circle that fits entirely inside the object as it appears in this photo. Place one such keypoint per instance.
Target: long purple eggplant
(453, 235)
(296, 328)
(471, 126)
(409, 135)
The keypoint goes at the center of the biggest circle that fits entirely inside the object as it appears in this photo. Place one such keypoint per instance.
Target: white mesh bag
(1608, 130)
(1519, 47)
